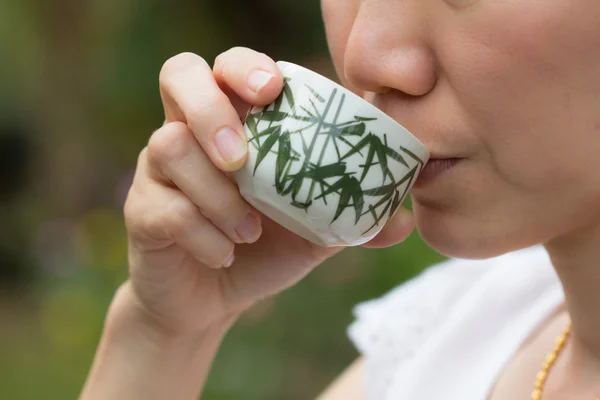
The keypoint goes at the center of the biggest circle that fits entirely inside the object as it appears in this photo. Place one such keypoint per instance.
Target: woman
(507, 93)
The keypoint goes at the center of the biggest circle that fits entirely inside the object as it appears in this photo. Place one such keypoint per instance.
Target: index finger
(191, 95)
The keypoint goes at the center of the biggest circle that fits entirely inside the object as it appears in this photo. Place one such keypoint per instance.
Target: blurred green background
(78, 100)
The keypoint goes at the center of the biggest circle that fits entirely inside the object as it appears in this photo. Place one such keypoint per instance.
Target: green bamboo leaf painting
(379, 149)
(265, 133)
(251, 124)
(300, 169)
(289, 96)
(277, 116)
(364, 142)
(303, 205)
(315, 108)
(294, 187)
(357, 198)
(266, 147)
(393, 154)
(375, 148)
(316, 94)
(368, 162)
(381, 190)
(278, 103)
(412, 155)
(356, 117)
(395, 204)
(284, 158)
(320, 173)
(345, 197)
(352, 130)
(390, 187)
(378, 217)
(350, 190)
(337, 186)
(306, 110)
(274, 116)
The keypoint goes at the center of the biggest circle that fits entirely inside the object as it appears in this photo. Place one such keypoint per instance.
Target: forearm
(138, 360)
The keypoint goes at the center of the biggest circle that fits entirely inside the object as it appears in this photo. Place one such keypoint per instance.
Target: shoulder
(389, 330)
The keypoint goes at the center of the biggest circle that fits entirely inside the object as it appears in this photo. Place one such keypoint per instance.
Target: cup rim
(355, 96)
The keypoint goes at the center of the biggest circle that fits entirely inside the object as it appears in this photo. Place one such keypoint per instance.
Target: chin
(460, 236)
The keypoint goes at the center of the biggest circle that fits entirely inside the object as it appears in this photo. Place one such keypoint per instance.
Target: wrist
(140, 358)
(127, 311)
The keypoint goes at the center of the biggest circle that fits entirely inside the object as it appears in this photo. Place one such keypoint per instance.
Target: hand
(185, 217)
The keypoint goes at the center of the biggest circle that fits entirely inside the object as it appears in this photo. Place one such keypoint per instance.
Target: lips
(434, 169)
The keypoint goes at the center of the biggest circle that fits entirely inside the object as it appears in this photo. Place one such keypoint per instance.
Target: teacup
(326, 164)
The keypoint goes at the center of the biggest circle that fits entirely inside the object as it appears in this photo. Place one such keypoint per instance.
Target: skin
(511, 88)
(167, 321)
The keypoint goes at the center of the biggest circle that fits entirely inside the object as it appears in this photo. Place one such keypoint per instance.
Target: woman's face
(512, 87)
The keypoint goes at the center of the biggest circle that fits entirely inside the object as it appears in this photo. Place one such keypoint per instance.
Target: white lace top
(448, 333)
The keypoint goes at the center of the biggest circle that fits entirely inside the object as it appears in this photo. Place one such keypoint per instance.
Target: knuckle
(138, 220)
(207, 106)
(180, 216)
(172, 142)
(178, 63)
(150, 224)
(226, 208)
(130, 213)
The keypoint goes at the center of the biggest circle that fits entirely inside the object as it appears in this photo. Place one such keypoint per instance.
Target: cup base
(289, 223)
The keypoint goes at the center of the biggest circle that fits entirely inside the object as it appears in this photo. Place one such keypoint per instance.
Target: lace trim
(390, 330)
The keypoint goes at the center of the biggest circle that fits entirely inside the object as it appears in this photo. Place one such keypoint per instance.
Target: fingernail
(258, 79)
(250, 229)
(230, 260)
(231, 146)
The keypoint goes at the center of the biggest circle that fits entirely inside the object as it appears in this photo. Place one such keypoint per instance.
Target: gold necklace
(549, 363)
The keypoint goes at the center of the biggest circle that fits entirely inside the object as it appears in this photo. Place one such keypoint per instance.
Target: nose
(387, 49)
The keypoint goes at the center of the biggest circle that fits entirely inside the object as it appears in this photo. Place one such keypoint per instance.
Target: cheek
(527, 75)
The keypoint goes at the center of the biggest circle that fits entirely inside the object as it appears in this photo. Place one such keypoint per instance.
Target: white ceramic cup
(326, 164)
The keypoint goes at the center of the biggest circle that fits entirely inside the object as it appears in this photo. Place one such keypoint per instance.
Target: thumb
(397, 230)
